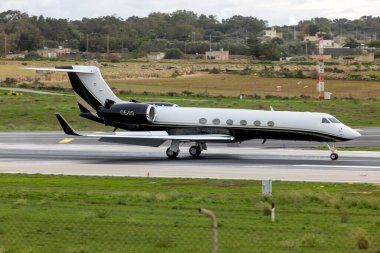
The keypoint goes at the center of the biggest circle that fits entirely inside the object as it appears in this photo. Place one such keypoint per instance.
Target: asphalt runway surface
(41, 152)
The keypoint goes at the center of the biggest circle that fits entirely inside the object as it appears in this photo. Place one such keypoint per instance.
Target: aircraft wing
(145, 138)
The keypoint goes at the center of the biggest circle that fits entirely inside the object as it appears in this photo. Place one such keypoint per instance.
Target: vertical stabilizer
(89, 87)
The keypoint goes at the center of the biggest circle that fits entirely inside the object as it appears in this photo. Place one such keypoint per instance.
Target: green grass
(361, 149)
(40, 213)
(34, 112)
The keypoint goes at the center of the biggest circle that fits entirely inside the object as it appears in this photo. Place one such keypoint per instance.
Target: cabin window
(334, 120)
(229, 122)
(203, 121)
(257, 123)
(324, 120)
(243, 122)
(216, 121)
(270, 123)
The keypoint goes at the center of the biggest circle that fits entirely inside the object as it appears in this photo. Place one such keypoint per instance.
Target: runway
(41, 152)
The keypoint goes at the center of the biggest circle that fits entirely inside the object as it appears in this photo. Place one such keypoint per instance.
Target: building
(311, 38)
(155, 56)
(218, 55)
(56, 52)
(272, 33)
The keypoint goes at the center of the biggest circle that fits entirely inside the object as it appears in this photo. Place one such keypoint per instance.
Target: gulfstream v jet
(152, 124)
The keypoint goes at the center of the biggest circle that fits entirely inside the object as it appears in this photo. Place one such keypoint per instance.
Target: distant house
(56, 52)
(217, 55)
(311, 38)
(272, 33)
(155, 56)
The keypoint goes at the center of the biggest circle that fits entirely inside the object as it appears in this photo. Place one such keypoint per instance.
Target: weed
(102, 213)
(310, 240)
(360, 237)
(344, 218)
(164, 242)
(19, 202)
(176, 74)
(265, 208)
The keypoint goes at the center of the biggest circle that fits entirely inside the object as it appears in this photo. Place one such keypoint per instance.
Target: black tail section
(86, 98)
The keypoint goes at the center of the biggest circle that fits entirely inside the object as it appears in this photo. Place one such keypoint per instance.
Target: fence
(152, 228)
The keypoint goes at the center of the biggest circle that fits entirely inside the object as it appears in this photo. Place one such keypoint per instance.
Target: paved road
(41, 153)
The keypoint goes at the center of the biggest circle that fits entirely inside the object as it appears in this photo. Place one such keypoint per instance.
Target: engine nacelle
(129, 113)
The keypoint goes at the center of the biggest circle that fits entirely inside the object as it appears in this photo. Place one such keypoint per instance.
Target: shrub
(10, 80)
(33, 56)
(360, 237)
(173, 53)
(175, 74)
(362, 243)
(265, 207)
(215, 71)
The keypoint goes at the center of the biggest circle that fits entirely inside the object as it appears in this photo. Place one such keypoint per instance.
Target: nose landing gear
(333, 156)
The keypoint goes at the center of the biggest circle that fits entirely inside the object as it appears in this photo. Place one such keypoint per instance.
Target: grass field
(34, 112)
(114, 214)
(139, 77)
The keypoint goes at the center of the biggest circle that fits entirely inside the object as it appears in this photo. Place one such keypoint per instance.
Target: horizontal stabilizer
(89, 71)
(66, 126)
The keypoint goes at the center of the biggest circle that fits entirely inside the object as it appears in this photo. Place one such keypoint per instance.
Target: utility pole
(210, 42)
(108, 44)
(5, 46)
(306, 53)
(86, 43)
(321, 69)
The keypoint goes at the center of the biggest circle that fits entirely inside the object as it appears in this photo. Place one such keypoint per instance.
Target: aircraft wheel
(171, 154)
(195, 151)
(334, 156)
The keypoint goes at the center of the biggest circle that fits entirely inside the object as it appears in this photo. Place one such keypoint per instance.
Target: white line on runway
(337, 166)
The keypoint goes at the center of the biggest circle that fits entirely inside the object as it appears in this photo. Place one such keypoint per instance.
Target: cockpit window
(334, 120)
(324, 120)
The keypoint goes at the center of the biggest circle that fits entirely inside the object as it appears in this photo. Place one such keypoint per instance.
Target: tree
(374, 43)
(173, 53)
(351, 43)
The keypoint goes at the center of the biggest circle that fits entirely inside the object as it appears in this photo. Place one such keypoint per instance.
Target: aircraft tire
(171, 154)
(195, 151)
(334, 156)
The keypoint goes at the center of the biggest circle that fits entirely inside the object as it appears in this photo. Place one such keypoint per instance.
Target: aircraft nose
(353, 134)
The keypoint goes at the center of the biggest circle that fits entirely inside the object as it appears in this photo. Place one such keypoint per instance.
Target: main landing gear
(194, 151)
(171, 154)
(333, 156)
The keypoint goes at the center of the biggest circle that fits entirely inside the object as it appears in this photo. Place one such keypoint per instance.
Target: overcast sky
(276, 12)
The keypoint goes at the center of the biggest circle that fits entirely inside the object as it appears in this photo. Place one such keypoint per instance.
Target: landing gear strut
(173, 150)
(333, 156)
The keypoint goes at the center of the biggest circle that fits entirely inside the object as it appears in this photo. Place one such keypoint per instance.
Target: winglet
(65, 126)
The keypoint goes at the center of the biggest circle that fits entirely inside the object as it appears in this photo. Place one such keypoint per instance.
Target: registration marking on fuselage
(66, 140)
